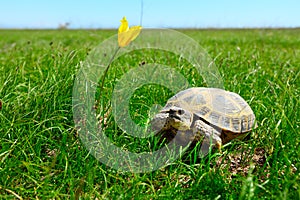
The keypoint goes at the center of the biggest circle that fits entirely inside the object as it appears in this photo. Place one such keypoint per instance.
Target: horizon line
(179, 28)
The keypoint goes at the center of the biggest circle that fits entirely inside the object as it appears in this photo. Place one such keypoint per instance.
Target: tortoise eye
(172, 112)
(180, 112)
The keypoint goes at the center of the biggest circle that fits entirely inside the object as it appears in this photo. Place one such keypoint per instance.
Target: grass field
(42, 157)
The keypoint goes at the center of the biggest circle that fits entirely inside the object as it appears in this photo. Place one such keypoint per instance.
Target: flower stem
(104, 75)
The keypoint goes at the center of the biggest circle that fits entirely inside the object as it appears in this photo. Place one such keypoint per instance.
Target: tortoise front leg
(212, 136)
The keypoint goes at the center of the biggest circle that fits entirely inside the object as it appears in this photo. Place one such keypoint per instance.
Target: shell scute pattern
(223, 109)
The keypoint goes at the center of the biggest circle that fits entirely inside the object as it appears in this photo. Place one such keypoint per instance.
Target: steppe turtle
(216, 114)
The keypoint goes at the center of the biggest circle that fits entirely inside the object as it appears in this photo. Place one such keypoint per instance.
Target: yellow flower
(126, 34)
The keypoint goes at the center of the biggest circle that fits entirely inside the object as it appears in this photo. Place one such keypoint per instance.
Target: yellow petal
(134, 31)
(126, 37)
(124, 25)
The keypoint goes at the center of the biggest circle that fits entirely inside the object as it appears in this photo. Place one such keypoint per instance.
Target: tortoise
(213, 115)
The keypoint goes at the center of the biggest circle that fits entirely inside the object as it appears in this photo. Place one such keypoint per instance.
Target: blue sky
(156, 13)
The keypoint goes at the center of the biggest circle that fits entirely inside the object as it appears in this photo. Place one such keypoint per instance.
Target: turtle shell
(223, 109)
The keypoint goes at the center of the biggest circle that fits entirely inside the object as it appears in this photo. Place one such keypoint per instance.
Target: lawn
(42, 156)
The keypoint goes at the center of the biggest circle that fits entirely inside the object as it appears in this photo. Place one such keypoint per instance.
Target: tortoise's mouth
(175, 117)
(178, 124)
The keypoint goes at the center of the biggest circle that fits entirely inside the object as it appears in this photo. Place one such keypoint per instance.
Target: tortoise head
(173, 117)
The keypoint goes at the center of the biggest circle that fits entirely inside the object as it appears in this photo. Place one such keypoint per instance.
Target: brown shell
(226, 110)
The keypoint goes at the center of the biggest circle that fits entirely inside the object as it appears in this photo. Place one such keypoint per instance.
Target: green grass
(41, 155)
